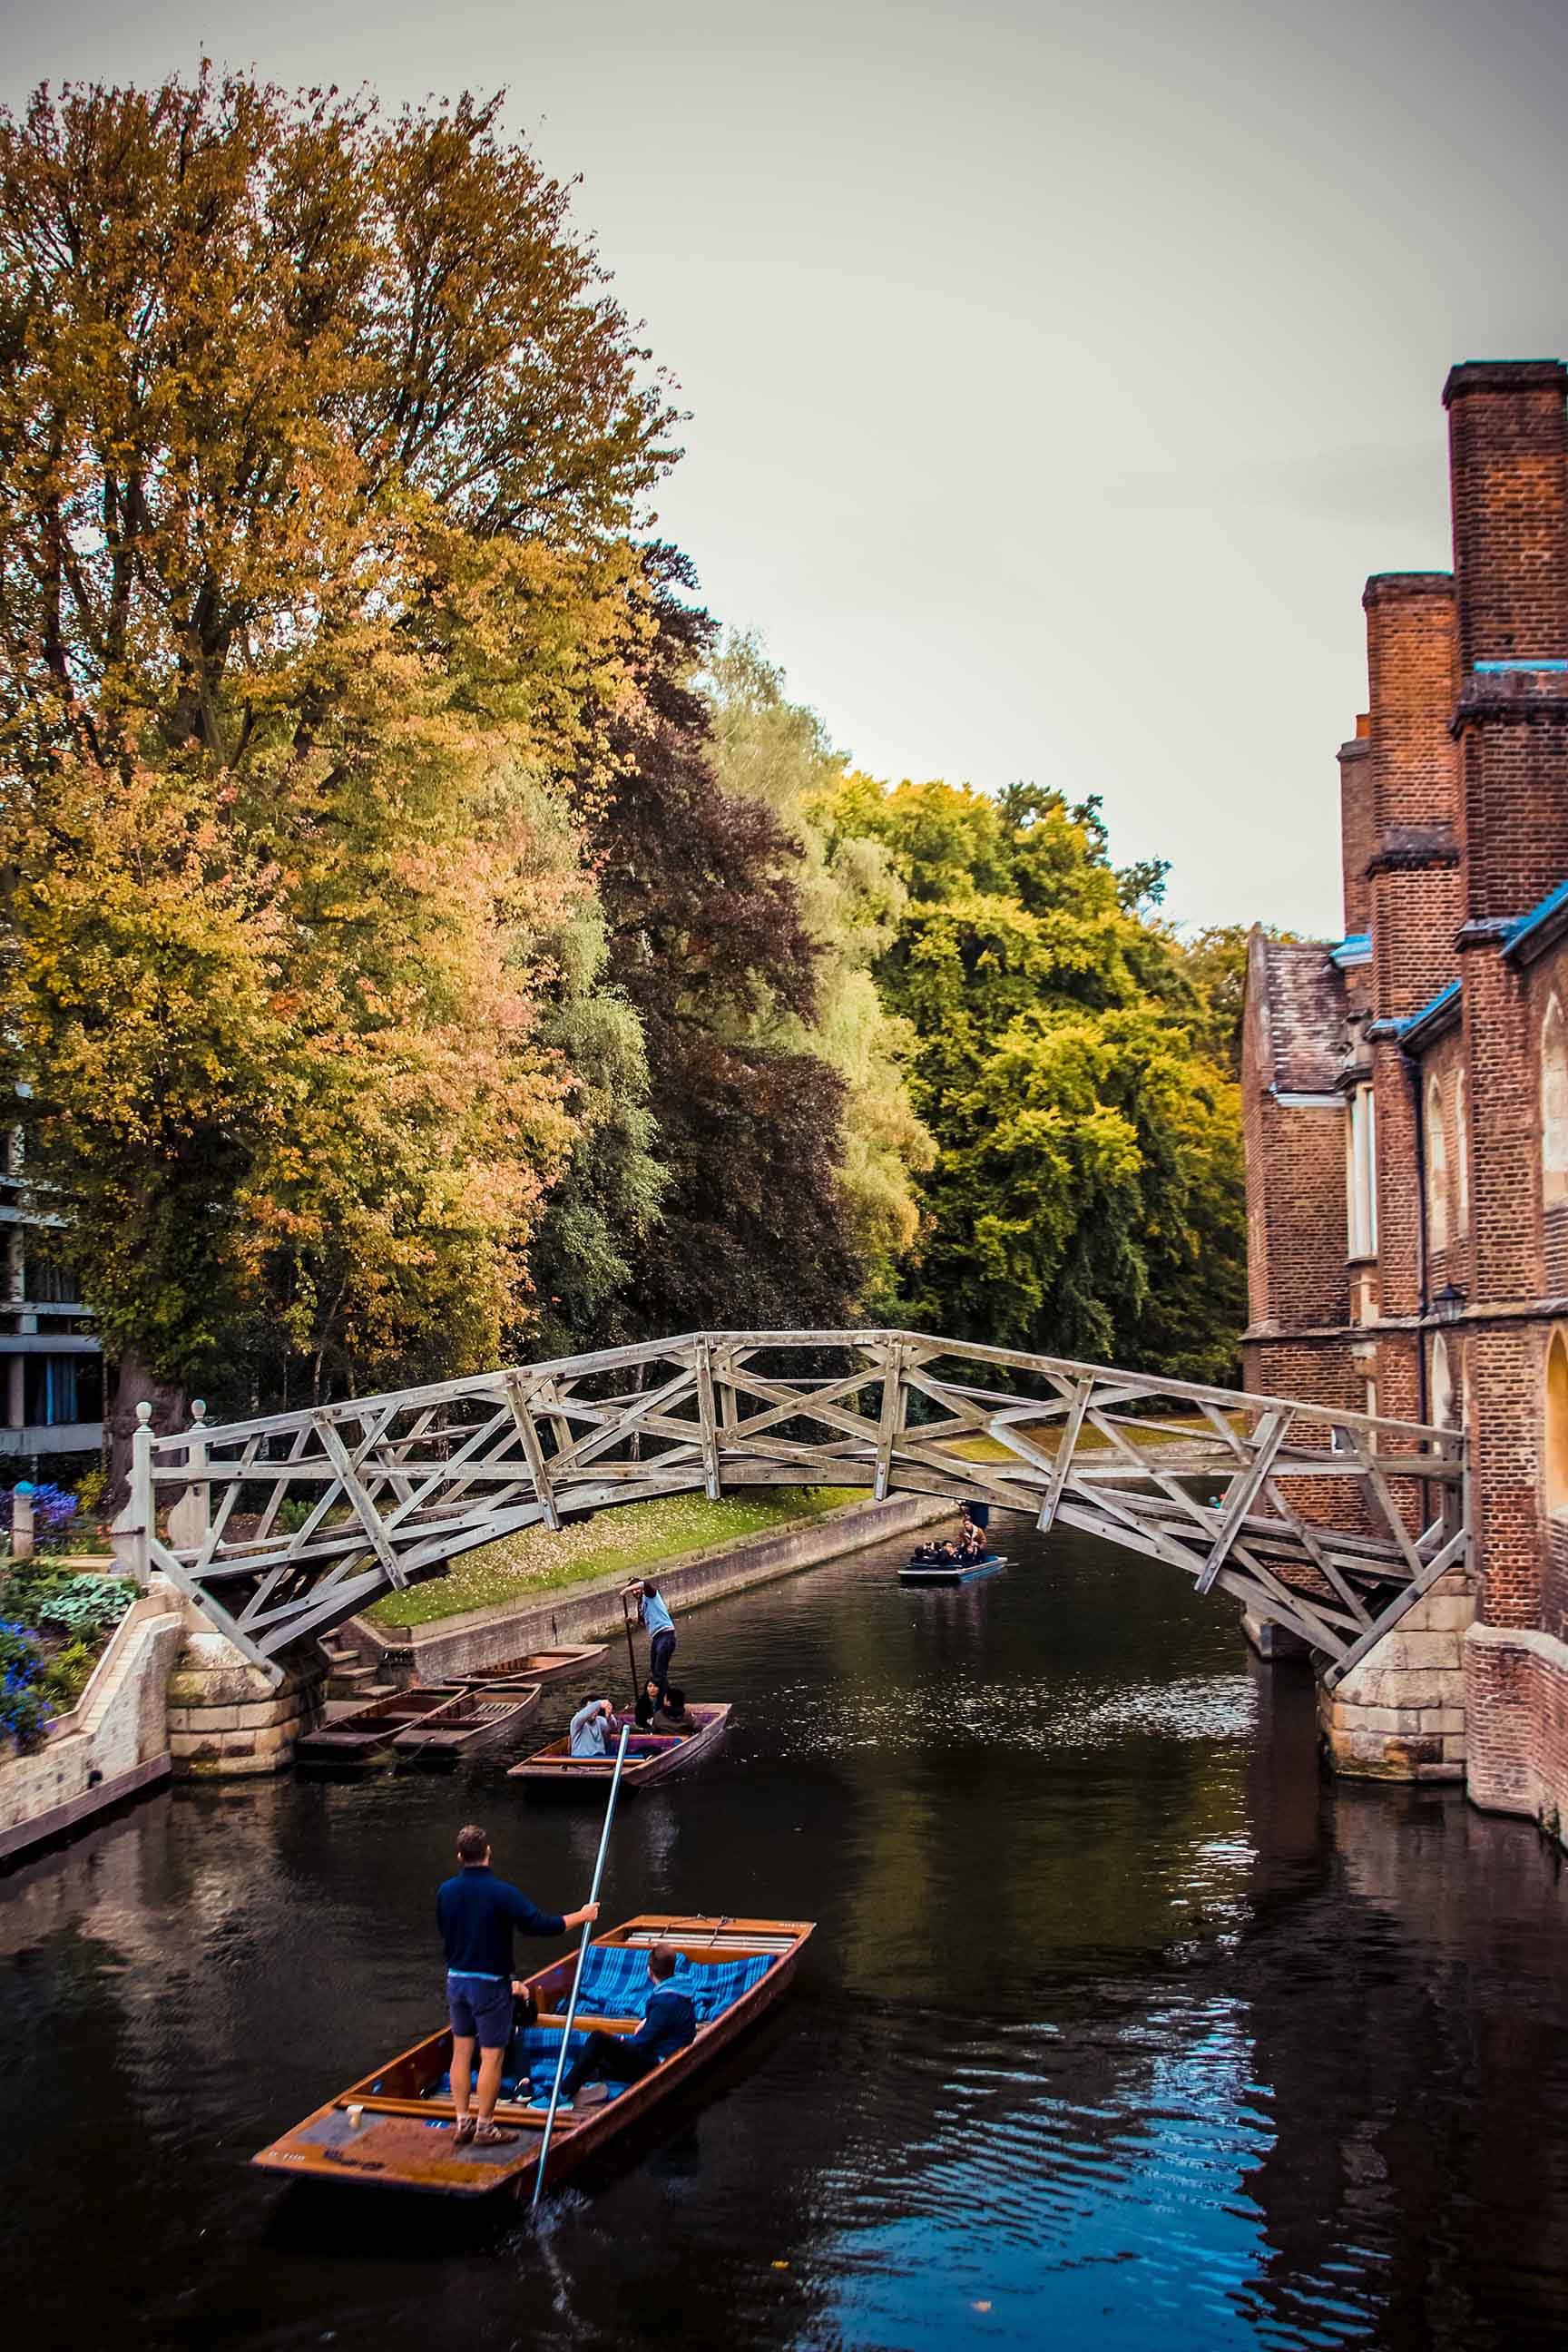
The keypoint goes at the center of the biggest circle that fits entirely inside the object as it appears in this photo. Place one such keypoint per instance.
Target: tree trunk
(135, 1383)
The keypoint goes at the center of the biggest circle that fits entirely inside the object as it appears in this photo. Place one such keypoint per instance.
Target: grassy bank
(634, 1538)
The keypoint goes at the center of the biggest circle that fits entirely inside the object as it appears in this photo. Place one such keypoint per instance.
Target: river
(1121, 2028)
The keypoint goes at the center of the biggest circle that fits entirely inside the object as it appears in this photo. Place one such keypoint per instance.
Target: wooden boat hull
(471, 1721)
(934, 1571)
(370, 1731)
(651, 1757)
(405, 2141)
(537, 1667)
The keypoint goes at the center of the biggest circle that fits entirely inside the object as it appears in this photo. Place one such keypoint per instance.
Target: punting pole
(577, 1973)
(631, 1646)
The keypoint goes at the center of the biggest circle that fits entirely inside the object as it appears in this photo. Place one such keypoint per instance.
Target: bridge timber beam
(1330, 1523)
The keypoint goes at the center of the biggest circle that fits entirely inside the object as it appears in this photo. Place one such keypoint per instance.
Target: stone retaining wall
(1400, 1713)
(224, 1717)
(114, 1741)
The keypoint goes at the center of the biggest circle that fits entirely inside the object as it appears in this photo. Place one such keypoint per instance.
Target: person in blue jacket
(660, 1629)
(670, 2023)
(476, 1912)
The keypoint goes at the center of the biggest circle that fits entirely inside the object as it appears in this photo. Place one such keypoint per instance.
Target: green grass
(523, 1568)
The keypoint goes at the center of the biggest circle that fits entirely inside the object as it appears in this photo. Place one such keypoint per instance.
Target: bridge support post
(1399, 1713)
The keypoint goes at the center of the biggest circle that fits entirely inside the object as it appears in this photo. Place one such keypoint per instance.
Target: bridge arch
(1286, 1504)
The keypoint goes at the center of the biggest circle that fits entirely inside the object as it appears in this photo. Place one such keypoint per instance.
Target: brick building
(1405, 1087)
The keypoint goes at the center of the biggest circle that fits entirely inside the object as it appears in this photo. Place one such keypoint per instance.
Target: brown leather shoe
(465, 2130)
(492, 2136)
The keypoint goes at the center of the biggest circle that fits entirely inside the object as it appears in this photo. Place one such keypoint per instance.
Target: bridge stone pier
(1345, 1530)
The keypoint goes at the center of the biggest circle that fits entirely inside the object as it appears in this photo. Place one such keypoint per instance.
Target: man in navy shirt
(670, 2022)
(476, 1912)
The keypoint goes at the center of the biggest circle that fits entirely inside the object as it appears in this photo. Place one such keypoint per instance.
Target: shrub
(41, 1594)
(24, 1707)
(66, 1675)
(89, 1491)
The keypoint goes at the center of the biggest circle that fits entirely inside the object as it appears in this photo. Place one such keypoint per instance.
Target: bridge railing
(283, 1525)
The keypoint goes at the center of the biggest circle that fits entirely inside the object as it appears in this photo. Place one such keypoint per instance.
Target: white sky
(1058, 371)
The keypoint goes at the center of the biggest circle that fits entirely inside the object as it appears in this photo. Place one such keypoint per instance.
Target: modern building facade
(51, 1370)
(1406, 1087)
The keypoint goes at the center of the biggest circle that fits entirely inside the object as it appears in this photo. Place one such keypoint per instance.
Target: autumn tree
(320, 438)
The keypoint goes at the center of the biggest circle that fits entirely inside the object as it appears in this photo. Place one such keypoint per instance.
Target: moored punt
(650, 1756)
(951, 1572)
(394, 2129)
(468, 1720)
(359, 1737)
(538, 1667)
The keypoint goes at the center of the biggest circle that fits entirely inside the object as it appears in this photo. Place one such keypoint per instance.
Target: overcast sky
(1057, 372)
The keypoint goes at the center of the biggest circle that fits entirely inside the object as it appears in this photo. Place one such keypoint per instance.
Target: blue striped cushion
(615, 1981)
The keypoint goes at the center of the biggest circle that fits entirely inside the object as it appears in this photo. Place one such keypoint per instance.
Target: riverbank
(632, 1541)
(468, 1640)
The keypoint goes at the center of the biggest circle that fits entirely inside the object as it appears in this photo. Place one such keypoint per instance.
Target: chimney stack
(1508, 438)
(1508, 454)
(1356, 828)
(1413, 892)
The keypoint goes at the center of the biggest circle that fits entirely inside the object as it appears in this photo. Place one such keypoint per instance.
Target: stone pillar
(226, 1719)
(1400, 1714)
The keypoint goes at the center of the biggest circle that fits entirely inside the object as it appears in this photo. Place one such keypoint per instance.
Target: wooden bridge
(1326, 1522)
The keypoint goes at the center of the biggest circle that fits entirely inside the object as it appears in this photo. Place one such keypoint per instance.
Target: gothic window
(1555, 1450)
(1437, 1170)
(1361, 1175)
(1555, 1105)
(1462, 1154)
(1441, 1409)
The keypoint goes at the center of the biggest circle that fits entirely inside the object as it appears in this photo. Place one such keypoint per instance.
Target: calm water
(1121, 2028)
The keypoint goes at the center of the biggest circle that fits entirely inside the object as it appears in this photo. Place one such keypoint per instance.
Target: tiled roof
(1306, 999)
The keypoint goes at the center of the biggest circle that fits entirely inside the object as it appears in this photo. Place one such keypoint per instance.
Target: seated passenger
(647, 1704)
(668, 2024)
(590, 1733)
(673, 1716)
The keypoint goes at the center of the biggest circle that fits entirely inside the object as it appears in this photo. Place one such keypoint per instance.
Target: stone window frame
(1553, 1104)
(1554, 1425)
(1361, 1174)
(1445, 1395)
(1462, 1154)
(1437, 1170)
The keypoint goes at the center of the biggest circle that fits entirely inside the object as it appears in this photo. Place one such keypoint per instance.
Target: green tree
(775, 750)
(1087, 1199)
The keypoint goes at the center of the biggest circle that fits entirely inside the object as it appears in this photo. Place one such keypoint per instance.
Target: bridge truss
(1329, 1523)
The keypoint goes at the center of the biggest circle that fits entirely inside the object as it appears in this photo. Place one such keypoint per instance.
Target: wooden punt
(468, 1720)
(951, 1572)
(369, 1731)
(402, 2136)
(650, 1756)
(538, 1667)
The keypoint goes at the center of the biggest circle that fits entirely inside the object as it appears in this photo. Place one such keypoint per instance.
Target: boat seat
(615, 1981)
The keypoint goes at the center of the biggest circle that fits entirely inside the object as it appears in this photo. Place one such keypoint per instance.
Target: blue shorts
(479, 2009)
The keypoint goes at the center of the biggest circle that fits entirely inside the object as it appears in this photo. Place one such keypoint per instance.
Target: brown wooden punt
(369, 1731)
(650, 1756)
(466, 1721)
(538, 1667)
(403, 2136)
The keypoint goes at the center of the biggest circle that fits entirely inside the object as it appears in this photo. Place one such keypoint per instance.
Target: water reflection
(1121, 2027)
